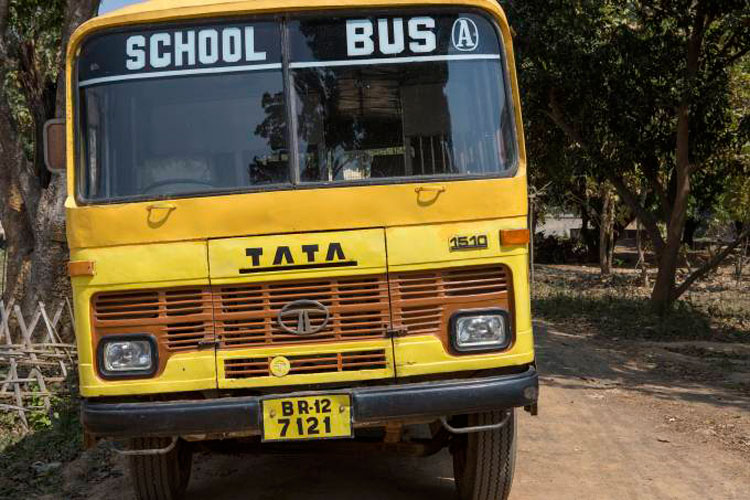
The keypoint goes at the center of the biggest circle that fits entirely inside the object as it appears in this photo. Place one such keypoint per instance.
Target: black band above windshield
(184, 51)
(234, 47)
(357, 39)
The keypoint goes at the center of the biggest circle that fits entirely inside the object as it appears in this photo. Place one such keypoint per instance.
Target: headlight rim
(507, 322)
(131, 374)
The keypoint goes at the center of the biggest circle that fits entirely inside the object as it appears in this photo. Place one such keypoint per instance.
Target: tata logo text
(283, 259)
(465, 34)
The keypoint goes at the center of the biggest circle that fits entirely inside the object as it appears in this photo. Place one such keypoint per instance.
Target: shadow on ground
(325, 476)
(616, 306)
(584, 361)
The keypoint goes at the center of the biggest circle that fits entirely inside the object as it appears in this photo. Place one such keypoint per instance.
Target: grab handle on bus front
(431, 189)
(158, 213)
(161, 206)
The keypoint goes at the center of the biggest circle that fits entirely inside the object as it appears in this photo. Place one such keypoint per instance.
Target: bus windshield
(214, 108)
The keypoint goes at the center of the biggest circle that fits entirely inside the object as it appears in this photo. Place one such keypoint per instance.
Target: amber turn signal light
(81, 268)
(514, 237)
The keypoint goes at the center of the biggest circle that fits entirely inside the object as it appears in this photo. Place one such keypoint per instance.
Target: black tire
(160, 477)
(484, 462)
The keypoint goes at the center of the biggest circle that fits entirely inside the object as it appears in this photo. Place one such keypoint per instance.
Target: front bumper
(370, 405)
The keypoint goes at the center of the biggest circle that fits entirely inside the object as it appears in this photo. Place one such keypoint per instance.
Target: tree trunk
(19, 241)
(641, 256)
(14, 199)
(589, 235)
(33, 215)
(611, 245)
(740, 264)
(663, 293)
(48, 278)
(691, 226)
(606, 226)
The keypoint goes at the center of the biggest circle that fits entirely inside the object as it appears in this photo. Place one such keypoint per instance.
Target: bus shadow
(321, 476)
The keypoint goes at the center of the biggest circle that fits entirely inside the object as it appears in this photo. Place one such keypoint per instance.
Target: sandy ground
(612, 425)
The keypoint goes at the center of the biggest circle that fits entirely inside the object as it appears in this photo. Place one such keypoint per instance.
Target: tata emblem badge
(303, 317)
(279, 366)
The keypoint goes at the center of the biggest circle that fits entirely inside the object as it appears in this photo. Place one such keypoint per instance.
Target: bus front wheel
(162, 476)
(484, 462)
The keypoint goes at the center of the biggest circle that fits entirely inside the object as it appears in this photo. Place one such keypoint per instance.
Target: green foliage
(38, 22)
(38, 462)
(737, 199)
(38, 419)
(601, 80)
(552, 249)
(34, 58)
(638, 93)
(31, 464)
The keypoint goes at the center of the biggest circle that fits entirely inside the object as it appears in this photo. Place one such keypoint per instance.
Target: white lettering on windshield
(465, 34)
(184, 48)
(423, 40)
(390, 36)
(136, 54)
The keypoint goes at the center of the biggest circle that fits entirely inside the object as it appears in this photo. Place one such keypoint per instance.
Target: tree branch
(76, 12)
(4, 10)
(711, 264)
(650, 169)
(724, 64)
(646, 218)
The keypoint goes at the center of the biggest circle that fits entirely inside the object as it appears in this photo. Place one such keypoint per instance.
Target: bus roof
(157, 8)
(119, 7)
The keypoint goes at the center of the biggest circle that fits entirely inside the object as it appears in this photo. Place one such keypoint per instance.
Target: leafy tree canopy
(638, 93)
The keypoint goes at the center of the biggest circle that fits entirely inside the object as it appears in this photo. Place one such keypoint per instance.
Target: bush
(554, 249)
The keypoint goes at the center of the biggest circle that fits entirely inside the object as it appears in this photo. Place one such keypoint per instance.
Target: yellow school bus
(298, 220)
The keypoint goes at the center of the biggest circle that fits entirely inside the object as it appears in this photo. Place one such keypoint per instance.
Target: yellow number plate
(307, 417)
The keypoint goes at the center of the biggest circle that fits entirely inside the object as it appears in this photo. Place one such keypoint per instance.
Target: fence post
(31, 366)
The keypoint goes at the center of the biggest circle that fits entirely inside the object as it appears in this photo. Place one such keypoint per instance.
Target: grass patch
(38, 462)
(31, 464)
(617, 307)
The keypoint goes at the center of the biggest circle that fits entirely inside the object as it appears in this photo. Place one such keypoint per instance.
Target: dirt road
(612, 425)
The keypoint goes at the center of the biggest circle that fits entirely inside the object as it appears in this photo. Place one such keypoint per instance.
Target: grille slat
(358, 308)
(179, 336)
(245, 315)
(418, 298)
(115, 308)
(179, 318)
(309, 363)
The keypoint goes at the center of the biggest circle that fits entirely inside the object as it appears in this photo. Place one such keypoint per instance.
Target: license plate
(307, 417)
